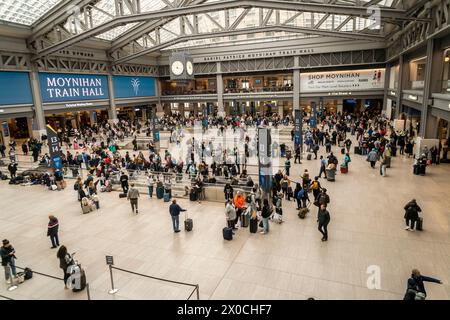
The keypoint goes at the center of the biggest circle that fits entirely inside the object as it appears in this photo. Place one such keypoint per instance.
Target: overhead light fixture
(393, 93)
(412, 97)
(1, 110)
(447, 59)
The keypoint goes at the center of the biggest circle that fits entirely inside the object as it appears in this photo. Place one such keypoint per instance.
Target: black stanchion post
(110, 263)
(198, 292)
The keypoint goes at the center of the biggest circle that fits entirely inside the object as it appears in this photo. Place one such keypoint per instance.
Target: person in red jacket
(239, 204)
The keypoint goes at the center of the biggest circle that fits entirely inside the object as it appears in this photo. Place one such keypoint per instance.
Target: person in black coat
(124, 182)
(411, 214)
(12, 167)
(416, 287)
(323, 218)
(52, 231)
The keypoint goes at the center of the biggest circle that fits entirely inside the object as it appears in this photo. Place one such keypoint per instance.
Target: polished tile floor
(366, 230)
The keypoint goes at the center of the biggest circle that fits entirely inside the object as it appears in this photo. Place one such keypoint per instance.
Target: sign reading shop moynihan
(257, 55)
(61, 87)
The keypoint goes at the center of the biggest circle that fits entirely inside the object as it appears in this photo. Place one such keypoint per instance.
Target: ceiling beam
(281, 28)
(215, 6)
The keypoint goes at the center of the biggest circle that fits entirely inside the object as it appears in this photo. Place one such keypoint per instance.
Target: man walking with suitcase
(133, 195)
(412, 215)
(174, 211)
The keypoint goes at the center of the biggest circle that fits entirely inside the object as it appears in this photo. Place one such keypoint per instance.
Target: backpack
(315, 185)
(300, 194)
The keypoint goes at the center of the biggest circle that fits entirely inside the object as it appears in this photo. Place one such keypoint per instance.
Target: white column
(219, 80)
(39, 116)
(112, 112)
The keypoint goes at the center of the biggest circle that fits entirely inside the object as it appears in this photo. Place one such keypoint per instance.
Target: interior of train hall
(225, 149)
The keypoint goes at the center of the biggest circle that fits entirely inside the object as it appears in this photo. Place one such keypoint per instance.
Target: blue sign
(312, 121)
(15, 88)
(61, 87)
(133, 86)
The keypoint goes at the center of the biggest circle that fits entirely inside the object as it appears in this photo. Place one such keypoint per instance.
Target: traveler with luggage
(265, 215)
(373, 157)
(12, 168)
(8, 254)
(315, 187)
(287, 166)
(323, 165)
(174, 210)
(239, 203)
(297, 155)
(151, 185)
(416, 288)
(383, 166)
(65, 260)
(230, 214)
(323, 219)
(52, 231)
(124, 182)
(348, 144)
(228, 191)
(411, 214)
(133, 196)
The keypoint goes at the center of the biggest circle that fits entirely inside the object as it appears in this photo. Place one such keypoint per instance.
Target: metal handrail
(196, 286)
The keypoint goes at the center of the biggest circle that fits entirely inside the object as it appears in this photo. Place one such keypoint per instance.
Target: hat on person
(5, 242)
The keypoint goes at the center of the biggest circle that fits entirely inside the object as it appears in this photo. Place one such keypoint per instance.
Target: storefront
(196, 86)
(16, 106)
(258, 83)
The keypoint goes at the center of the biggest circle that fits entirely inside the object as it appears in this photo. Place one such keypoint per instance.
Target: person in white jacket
(230, 214)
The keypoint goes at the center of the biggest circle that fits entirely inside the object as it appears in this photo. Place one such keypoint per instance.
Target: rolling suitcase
(188, 224)
(253, 225)
(193, 196)
(245, 220)
(166, 197)
(419, 224)
(122, 195)
(357, 150)
(302, 213)
(160, 192)
(227, 233)
(309, 157)
(82, 282)
(416, 169)
(343, 151)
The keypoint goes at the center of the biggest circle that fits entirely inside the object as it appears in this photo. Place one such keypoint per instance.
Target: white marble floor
(366, 229)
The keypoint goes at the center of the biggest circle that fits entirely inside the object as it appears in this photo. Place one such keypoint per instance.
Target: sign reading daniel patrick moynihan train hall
(59, 87)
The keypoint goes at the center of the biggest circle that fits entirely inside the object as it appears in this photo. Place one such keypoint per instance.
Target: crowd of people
(96, 151)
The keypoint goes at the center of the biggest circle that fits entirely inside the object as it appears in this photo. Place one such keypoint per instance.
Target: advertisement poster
(336, 81)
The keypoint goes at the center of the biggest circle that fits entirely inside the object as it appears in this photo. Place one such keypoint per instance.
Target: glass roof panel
(25, 12)
(260, 37)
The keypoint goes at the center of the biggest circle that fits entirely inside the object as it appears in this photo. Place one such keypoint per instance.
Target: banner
(134, 86)
(321, 106)
(265, 159)
(60, 87)
(337, 81)
(312, 119)
(15, 88)
(54, 148)
(298, 128)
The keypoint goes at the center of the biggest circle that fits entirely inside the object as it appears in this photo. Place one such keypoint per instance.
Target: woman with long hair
(65, 260)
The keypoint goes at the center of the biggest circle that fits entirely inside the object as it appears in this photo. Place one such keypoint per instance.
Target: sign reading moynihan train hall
(60, 87)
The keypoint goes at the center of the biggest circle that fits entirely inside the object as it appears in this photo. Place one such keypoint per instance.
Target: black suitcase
(188, 224)
(343, 151)
(193, 196)
(419, 224)
(416, 169)
(309, 156)
(253, 225)
(122, 195)
(357, 150)
(160, 192)
(245, 220)
(227, 233)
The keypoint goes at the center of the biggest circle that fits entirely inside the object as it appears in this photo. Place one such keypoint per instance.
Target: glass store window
(393, 78)
(417, 73)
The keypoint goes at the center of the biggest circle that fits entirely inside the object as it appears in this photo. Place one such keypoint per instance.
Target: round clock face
(177, 68)
(189, 68)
